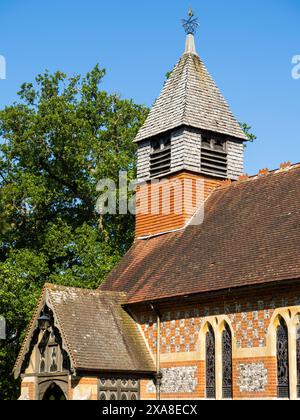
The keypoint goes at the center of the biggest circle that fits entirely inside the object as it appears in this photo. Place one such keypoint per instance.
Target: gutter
(158, 375)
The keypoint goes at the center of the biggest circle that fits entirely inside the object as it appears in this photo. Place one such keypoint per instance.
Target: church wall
(29, 388)
(251, 320)
(32, 366)
(186, 150)
(255, 377)
(155, 218)
(143, 160)
(235, 159)
(84, 388)
(181, 380)
(29, 384)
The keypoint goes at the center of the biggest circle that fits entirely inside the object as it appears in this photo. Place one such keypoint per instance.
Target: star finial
(191, 24)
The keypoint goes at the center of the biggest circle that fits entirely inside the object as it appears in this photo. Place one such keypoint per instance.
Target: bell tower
(189, 137)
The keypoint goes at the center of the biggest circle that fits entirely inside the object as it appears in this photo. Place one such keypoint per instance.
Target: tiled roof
(97, 332)
(190, 97)
(250, 236)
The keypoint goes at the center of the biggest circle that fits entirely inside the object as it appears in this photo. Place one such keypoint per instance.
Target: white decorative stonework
(252, 377)
(177, 380)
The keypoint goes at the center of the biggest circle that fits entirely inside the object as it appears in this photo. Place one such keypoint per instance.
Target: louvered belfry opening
(214, 159)
(160, 158)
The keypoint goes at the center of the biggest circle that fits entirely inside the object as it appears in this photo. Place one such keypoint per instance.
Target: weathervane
(190, 25)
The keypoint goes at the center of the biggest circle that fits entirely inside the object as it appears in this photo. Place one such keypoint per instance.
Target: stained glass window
(298, 360)
(227, 362)
(282, 361)
(210, 364)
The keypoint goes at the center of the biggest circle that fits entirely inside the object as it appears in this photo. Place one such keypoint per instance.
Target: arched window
(210, 364)
(298, 360)
(119, 388)
(227, 362)
(282, 360)
(102, 396)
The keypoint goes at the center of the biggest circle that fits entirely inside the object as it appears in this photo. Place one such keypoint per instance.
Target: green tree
(3, 222)
(247, 130)
(61, 137)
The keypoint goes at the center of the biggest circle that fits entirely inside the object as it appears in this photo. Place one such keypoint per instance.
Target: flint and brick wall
(250, 319)
(255, 378)
(181, 380)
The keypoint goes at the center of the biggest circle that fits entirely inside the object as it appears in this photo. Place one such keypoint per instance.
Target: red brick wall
(70, 390)
(83, 384)
(31, 389)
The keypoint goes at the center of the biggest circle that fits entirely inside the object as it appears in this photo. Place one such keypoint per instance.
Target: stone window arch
(220, 326)
(55, 393)
(56, 389)
(289, 319)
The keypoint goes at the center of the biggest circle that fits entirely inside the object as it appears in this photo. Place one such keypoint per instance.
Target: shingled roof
(250, 236)
(97, 333)
(190, 97)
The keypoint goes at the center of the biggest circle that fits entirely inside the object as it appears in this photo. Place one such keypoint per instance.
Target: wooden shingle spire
(190, 98)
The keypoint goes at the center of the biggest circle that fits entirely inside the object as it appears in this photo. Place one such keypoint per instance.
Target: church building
(206, 303)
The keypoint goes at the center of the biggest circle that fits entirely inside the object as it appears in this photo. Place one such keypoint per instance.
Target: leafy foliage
(247, 130)
(59, 140)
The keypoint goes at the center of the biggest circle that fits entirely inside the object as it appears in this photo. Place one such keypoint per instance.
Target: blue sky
(247, 46)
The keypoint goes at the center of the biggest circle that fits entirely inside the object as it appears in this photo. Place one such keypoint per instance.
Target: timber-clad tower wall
(190, 137)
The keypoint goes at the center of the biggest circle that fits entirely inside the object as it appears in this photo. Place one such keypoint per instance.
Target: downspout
(158, 376)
